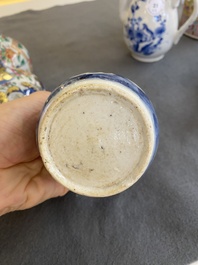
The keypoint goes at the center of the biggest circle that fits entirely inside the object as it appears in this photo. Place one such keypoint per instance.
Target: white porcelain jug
(151, 26)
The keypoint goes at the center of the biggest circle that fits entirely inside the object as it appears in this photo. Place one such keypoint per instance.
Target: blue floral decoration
(144, 40)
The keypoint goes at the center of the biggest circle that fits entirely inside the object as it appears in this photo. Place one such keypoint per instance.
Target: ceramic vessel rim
(127, 84)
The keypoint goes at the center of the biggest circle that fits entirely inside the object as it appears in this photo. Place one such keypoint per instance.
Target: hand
(24, 181)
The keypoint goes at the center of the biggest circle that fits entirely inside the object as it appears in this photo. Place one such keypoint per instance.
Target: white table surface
(10, 9)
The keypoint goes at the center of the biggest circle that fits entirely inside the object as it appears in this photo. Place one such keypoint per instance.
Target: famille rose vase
(192, 31)
(16, 76)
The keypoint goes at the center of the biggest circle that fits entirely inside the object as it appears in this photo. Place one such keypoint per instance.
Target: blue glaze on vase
(143, 39)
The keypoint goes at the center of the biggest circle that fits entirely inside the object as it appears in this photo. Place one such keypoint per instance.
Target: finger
(26, 185)
(41, 188)
(18, 122)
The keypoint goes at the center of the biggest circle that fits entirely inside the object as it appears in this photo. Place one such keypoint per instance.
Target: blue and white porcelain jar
(151, 27)
(97, 134)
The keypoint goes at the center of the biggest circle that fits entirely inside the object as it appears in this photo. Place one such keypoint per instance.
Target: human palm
(24, 181)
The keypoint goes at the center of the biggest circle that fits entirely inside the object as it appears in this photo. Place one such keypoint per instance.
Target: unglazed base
(96, 138)
(147, 59)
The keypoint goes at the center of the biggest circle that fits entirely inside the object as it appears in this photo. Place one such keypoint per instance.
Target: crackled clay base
(96, 136)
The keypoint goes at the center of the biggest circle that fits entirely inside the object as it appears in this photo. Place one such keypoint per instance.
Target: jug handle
(122, 9)
(189, 22)
(176, 3)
